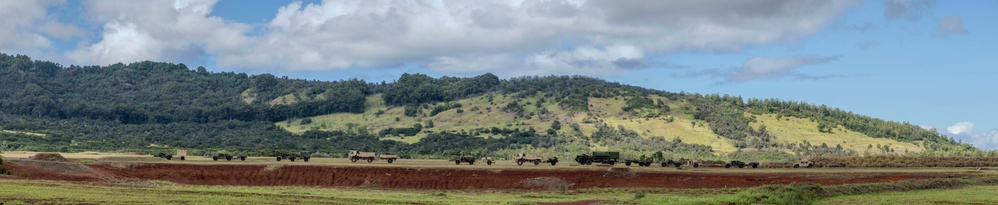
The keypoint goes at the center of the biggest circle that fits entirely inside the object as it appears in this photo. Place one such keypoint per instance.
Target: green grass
(158, 192)
(964, 195)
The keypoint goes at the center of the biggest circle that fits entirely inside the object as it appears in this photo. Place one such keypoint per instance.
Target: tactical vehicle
(600, 157)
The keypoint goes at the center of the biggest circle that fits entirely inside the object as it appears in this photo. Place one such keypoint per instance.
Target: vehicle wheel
(182, 158)
(612, 162)
(458, 162)
(390, 161)
(663, 164)
(229, 158)
(696, 165)
(353, 159)
(755, 166)
(471, 163)
(488, 162)
(518, 162)
(627, 163)
(243, 158)
(305, 159)
(552, 163)
(796, 165)
(292, 159)
(214, 158)
(741, 166)
(810, 165)
(278, 159)
(678, 165)
(169, 157)
(369, 160)
(537, 162)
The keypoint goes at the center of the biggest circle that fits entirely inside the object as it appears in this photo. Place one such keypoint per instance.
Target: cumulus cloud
(27, 27)
(175, 31)
(964, 131)
(509, 38)
(961, 128)
(951, 25)
(528, 37)
(907, 9)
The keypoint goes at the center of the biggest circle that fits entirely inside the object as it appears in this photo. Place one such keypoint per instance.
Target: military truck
(281, 155)
(741, 164)
(804, 163)
(610, 158)
(469, 159)
(522, 157)
(355, 155)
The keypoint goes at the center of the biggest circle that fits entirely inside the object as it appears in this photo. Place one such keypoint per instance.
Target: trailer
(522, 157)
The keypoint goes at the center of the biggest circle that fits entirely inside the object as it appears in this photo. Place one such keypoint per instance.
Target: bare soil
(483, 178)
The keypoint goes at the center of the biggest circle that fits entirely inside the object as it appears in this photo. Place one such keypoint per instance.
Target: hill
(152, 106)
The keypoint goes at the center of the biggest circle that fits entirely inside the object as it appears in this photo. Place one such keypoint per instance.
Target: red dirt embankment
(456, 178)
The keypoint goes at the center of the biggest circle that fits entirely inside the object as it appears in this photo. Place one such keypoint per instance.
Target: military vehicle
(673, 163)
(228, 157)
(355, 155)
(693, 163)
(522, 157)
(601, 157)
(305, 156)
(552, 160)
(804, 163)
(488, 160)
(741, 164)
(469, 159)
(643, 163)
(164, 156)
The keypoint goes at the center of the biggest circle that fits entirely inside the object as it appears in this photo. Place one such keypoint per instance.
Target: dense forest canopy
(146, 105)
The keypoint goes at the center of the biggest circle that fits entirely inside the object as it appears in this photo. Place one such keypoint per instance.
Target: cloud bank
(506, 37)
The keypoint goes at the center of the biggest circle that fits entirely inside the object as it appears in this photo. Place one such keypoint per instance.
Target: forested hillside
(150, 106)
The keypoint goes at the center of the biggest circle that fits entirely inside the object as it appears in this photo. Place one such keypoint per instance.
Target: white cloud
(964, 131)
(28, 28)
(530, 37)
(174, 31)
(961, 128)
(511, 37)
(951, 25)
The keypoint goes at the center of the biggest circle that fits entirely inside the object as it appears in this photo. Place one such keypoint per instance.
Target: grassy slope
(479, 112)
(796, 130)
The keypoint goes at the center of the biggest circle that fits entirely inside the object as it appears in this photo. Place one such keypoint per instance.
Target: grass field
(964, 195)
(158, 192)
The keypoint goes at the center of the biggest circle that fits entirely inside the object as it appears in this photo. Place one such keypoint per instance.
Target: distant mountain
(150, 106)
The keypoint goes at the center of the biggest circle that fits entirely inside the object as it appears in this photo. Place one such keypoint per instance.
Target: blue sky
(931, 63)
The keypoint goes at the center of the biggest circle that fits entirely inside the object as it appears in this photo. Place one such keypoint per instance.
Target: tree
(556, 125)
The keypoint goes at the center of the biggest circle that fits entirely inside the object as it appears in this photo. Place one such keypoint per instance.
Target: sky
(929, 63)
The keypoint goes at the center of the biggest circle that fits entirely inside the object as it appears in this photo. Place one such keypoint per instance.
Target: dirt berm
(457, 178)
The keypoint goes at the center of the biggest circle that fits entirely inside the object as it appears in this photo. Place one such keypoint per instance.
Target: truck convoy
(355, 155)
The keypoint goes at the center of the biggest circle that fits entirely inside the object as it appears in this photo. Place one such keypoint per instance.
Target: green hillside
(151, 106)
